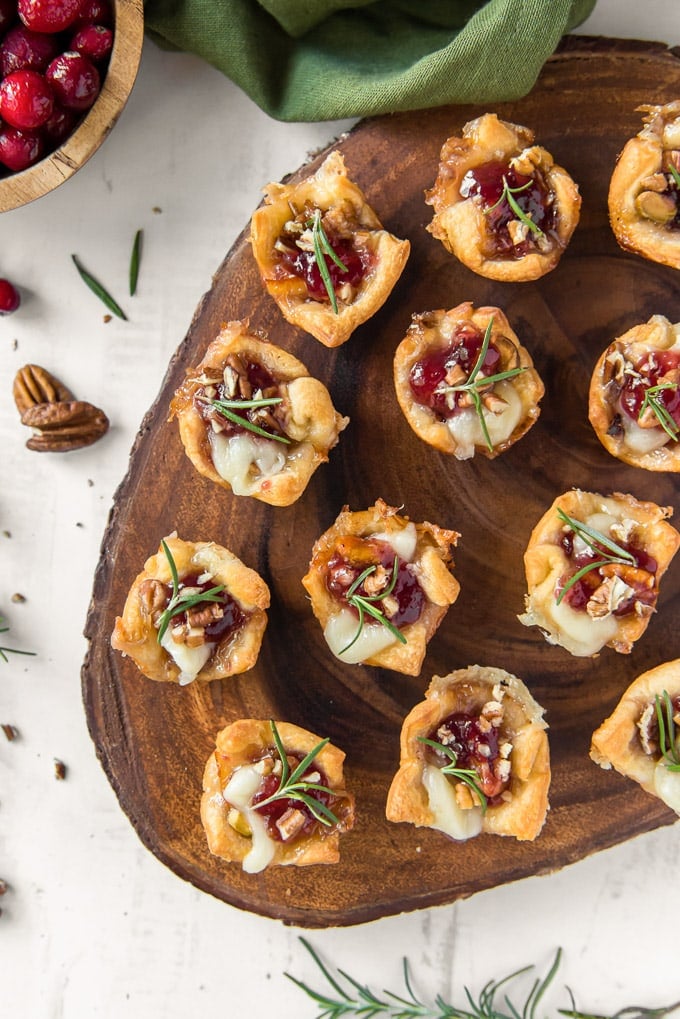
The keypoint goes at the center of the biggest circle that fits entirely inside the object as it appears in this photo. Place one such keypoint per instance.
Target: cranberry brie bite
(593, 566)
(641, 738)
(274, 794)
(380, 586)
(195, 612)
(474, 758)
(323, 253)
(464, 381)
(252, 419)
(644, 191)
(634, 403)
(502, 205)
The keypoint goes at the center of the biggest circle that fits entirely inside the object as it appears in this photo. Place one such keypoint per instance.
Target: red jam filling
(535, 200)
(231, 620)
(274, 811)
(427, 378)
(475, 749)
(260, 381)
(649, 371)
(580, 593)
(357, 262)
(409, 595)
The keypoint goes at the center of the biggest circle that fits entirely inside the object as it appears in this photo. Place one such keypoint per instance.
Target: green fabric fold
(307, 60)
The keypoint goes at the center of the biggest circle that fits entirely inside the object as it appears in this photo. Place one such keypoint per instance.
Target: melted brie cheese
(341, 629)
(643, 440)
(244, 460)
(189, 660)
(578, 632)
(403, 542)
(667, 786)
(239, 792)
(449, 818)
(466, 429)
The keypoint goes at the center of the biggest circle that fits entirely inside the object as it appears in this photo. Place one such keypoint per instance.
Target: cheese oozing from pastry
(189, 660)
(466, 428)
(643, 440)
(403, 542)
(239, 792)
(449, 817)
(244, 460)
(667, 786)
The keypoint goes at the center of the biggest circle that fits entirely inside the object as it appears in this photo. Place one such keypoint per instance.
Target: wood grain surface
(153, 739)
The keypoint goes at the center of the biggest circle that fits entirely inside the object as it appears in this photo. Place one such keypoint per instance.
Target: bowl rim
(58, 166)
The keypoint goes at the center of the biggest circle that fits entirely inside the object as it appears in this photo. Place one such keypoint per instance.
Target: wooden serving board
(153, 739)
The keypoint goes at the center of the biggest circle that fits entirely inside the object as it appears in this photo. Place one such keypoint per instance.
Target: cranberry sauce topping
(535, 200)
(243, 379)
(273, 812)
(219, 619)
(430, 377)
(405, 602)
(641, 582)
(475, 743)
(297, 258)
(657, 367)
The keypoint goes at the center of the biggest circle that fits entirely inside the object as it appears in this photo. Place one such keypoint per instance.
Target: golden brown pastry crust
(331, 191)
(546, 562)
(311, 421)
(642, 195)
(617, 744)
(615, 429)
(432, 564)
(136, 636)
(460, 223)
(432, 331)
(241, 743)
(522, 814)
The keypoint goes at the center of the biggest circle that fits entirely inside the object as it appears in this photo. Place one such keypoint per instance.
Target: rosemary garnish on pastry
(667, 738)
(292, 785)
(323, 247)
(367, 604)
(467, 775)
(508, 195)
(178, 602)
(605, 548)
(654, 402)
(228, 408)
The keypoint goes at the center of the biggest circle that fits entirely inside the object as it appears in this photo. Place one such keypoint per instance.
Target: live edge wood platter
(153, 739)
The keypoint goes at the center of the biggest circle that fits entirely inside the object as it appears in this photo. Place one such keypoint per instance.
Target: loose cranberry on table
(48, 15)
(20, 149)
(26, 100)
(9, 297)
(74, 80)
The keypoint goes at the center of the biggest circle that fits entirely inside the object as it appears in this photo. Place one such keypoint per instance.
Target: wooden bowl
(25, 186)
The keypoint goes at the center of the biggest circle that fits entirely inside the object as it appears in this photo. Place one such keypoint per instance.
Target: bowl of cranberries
(67, 68)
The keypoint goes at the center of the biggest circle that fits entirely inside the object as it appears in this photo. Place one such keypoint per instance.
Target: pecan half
(34, 385)
(64, 425)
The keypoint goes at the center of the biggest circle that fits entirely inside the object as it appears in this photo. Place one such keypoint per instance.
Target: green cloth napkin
(303, 60)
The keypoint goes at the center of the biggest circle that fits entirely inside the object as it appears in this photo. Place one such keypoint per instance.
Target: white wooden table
(92, 924)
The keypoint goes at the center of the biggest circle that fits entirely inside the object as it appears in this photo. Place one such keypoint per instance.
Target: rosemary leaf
(667, 740)
(293, 787)
(224, 407)
(323, 247)
(177, 602)
(134, 262)
(4, 651)
(600, 544)
(653, 400)
(675, 175)
(365, 604)
(467, 775)
(96, 288)
(508, 195)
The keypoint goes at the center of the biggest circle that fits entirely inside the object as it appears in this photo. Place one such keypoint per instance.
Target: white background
(93, 925)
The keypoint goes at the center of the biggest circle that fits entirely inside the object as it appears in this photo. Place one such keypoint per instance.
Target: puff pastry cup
(286, 434)
(245, 769)
(593, 566)
(493, 733)
(643, 191)
(291, 234)
(501, 204)
(212, 637)
(634, 403)
(378, 561)
(641, 738)
(443, 350)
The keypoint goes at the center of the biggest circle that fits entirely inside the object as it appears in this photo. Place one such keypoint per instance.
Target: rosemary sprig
(667, 739)
(654, 402)
(348, 996)
(508, 195)
(135, 256)
(178, 602)
(366, 604)
(467, 775)
(292, 785)
(4, 651)
(605, 548)
(476, 383)
(96, 288)
(227, 409)
(674, 174)
(323, 247)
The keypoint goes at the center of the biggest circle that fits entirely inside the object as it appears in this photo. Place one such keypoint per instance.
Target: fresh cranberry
(26, 100)
(8, 14)
(74, 80)
(20, 149)
(48, 15)
(9, 297)
(94, 12)
(24, 49)
(60, 125)
(93, 41)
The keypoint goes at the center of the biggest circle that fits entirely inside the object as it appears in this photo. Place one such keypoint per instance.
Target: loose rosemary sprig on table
(654, 402)
(508, 195)
(667, 740)
(96, 288)
(227, 409)
(292, 785)
(4, 651)
(606, 550)
(135, 256)
(366, 604)
(467, 775)
(348, 997)
(476, 383)
(323, 247)
(178, 602)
